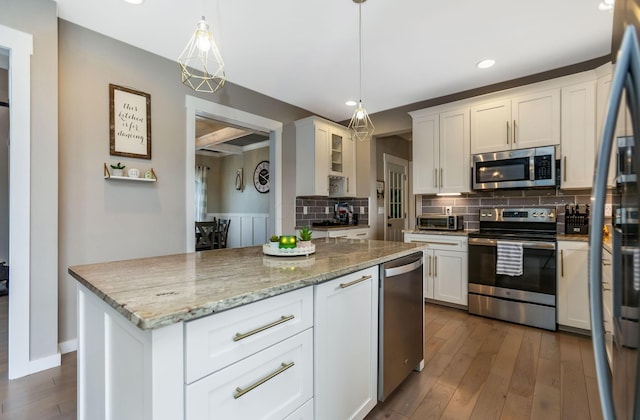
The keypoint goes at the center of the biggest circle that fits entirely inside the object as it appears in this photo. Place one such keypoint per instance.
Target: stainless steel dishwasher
(401, 315)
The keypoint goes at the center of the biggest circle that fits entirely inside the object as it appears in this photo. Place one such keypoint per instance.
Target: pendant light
(360, 125)
(201, 65)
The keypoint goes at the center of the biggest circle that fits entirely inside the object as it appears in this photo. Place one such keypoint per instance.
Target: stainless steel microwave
(515, 169)
(439, 222)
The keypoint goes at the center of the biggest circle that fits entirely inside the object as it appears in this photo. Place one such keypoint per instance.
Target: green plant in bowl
(305, 237)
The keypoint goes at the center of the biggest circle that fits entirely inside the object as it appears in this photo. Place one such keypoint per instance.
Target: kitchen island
(156, 335)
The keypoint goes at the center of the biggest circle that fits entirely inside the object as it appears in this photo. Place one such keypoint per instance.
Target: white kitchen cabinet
(270, 384)
(441, 160)
(325, 159)
(578, 135)
(445, 268)
(346, 346)
(528, 120)
(623, 125)
(354, 233)
(573, 284)
(607, 302)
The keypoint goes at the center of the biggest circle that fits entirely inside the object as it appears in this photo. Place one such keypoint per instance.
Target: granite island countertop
(159, 291)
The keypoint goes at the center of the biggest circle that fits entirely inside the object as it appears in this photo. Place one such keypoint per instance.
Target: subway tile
(494, 201)
(508, 193)
(541, 192)
(524, 201)
(467, 201)
(557, 200)
(442, 201)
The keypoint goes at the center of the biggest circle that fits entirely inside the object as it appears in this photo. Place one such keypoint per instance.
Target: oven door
(538, 266)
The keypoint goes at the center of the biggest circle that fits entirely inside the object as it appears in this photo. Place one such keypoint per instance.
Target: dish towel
(509, 258)
(636, 270)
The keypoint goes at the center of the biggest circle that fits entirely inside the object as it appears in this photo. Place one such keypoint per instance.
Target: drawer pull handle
(606, 289)
(351, 283)
(283, 366)
(283, 319)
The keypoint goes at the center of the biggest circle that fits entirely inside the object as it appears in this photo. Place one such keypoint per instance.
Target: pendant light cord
(360, 45)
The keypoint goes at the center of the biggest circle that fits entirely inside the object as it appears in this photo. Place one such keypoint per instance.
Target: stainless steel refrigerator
(618, 373)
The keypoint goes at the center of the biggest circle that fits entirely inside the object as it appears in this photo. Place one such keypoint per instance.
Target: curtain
(201, 193)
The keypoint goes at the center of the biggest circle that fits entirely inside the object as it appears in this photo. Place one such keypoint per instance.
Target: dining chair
(222, 232)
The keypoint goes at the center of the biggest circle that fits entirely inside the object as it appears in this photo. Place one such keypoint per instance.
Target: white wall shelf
(108, 175)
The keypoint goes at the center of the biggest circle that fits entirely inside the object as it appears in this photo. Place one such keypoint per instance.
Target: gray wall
(4, 167)
(39, 18)
(222, 196)
(105, 220)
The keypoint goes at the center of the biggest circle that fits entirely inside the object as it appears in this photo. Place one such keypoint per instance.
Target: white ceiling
(305, 52)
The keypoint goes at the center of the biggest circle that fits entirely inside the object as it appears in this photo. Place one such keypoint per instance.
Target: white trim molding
(68, 346)
(239, 118)
(20, 46)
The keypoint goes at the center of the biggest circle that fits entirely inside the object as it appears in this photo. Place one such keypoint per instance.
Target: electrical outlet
(448, 210)
(304, 210)
(608, 210)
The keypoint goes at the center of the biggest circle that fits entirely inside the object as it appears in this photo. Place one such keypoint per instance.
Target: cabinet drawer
(212, 343)
(350, 233)
(303, 413)
(442, 242)
(282, 376)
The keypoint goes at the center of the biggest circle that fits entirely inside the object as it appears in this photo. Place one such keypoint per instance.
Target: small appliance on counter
(343, 212)
(439, 222)
(575, 221)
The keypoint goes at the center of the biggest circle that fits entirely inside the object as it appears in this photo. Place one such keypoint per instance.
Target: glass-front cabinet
(325, 159)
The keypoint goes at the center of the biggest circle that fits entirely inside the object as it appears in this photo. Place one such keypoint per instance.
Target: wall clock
(261, 177)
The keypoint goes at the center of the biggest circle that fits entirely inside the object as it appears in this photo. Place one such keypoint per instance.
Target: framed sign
(129, 122)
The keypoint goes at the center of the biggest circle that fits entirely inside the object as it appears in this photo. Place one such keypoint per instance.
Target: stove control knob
(551, 215)
(535, 214)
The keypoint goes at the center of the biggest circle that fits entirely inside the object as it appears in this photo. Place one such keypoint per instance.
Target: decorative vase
(304, 244)
(287, 241)
(118, 172)
(274, 245)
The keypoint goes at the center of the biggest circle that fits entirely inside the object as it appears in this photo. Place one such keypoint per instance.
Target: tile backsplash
(317, 206)
(468, 205)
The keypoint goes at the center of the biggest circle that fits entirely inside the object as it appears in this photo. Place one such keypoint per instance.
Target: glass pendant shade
(201, 65)
(360, 125)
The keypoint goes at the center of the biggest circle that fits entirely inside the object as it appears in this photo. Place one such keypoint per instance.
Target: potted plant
(118, 170)
(305, 237)
(274, 241)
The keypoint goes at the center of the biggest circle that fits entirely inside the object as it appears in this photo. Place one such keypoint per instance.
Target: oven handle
(525, 244)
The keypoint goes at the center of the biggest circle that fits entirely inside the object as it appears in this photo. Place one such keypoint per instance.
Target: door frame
(240, 118)
(20, 46)
(387, 158)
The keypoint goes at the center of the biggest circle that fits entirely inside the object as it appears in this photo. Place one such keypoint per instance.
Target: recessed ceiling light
(351, 103)
(136, 2)
(606, 5)
(485, 64)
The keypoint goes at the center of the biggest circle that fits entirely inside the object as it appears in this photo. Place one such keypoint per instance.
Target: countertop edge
(236, 301)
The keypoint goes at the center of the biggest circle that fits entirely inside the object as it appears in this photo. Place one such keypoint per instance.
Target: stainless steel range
(512, 266)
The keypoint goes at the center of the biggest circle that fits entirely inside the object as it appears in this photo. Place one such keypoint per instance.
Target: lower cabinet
(445, 268)
(607, 302)
(352, 233)
(346, 346)
(573, 285)
(270, 384)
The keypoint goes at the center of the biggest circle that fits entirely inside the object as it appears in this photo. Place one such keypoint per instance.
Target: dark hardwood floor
(46, 395)
(478, 368)
(475, 368)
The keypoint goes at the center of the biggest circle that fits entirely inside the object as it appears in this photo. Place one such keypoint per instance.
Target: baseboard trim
(44, 363)
(68, 346)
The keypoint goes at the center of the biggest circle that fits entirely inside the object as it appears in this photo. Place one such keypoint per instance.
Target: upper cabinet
(623, 125)
(524, 121)
(441, 152)
(578, 135)
(325, 159)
